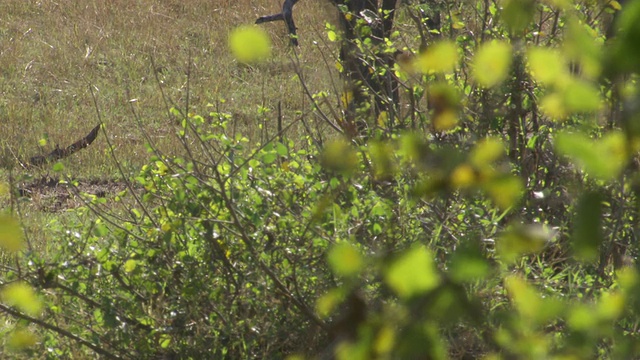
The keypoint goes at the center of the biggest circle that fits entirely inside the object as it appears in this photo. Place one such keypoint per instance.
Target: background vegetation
(231, 210)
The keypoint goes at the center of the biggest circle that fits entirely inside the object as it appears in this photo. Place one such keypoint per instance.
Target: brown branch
(59, 153)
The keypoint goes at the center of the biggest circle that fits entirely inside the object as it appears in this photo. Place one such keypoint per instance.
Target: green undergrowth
(491, 212)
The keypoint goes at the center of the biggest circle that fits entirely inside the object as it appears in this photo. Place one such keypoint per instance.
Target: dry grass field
(54, 54)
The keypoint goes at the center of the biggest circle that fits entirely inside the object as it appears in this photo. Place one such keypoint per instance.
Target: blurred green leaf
(249, 44)
(22, 296)
(491, 63)
(345, 259)
(581, 96)
(583, 46)
(529, 303)
(11, 236)
(468, 263)
(326, 304)
(548, 66)
(339, 156)
(587, 227)
(130, 265)
(382, 158)
(610, 306)
(269, 157)
(486, 151)
(20, 339)
(626, 48)
(413, 273)
(603, 158)
(505, 190)
(441, 57)
(58, 167)
(517, 14)
(523, 239)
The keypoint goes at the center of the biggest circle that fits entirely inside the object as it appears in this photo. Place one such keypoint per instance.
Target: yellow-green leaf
(581, 317)
(463, 176)
(504, 190)
(328, 302)
(441, 57)
(523, 239)
(413, 273)
(604, 158)
(331, 35)
(491, 63)
(21, 339)
(611, 305)
(547, 66)
(486, 151)
(10, 234)
(525, 298)
(345, 259)
(249, 44)
(517, 14)
(22, 296)
(130, 265)
(339, 156)
(581, 96)
(384, 340)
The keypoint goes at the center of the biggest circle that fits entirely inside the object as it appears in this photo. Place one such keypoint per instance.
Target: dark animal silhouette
(287, 16)
(59, 153)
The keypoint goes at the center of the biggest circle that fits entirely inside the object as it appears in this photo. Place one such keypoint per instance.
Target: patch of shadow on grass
(50, 195)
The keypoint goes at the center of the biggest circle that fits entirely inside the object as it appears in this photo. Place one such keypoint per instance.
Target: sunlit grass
(56, 54)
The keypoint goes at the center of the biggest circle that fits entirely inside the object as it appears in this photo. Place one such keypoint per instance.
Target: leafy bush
(428, 236)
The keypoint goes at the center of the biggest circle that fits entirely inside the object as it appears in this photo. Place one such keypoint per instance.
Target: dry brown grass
(52, 53)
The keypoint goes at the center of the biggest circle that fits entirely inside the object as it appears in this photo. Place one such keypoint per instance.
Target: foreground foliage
(494, 215)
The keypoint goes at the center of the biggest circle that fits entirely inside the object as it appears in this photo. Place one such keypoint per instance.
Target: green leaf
(413, 273)
(441, 57)
(165, 341)
(525, 298)
(331, 35)
(581, 317)
(529, 303)
(486, 151)
(345, 260)
(547, 66)
(583, 45)
(611, 305)
(384, 164)
(249, 44)
(327, 303)
(11, 236)
(626, 50)
(603, 158)
(21, 339)
(587, 229)
(517, 14)
(468, 263)
(581, 96)
(339, 156)
(491, 63)
(269, 158)
(505, 190)
(58, 167)
(22, 296)
(523, 239)
(130, 265)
